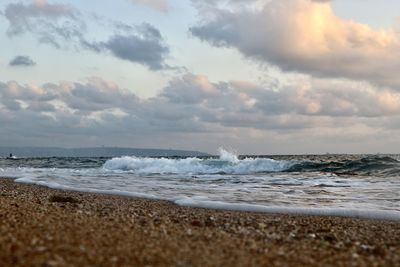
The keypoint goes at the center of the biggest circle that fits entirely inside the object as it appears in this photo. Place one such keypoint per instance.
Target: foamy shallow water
(249, 184)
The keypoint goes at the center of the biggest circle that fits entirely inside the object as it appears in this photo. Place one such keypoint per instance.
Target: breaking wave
(227, 163)
(230, 163)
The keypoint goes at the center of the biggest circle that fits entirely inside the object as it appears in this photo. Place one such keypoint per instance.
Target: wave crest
(227, 163)
(230, 163)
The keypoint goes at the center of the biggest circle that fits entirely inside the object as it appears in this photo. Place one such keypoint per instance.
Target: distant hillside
(94, 152)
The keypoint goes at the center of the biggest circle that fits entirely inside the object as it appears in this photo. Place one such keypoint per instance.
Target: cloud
(307, 37)
(21, 16)
(194, 98)
(160, 5)
(63, 27)
(22, 61)
(145, 46)
(190, 89)
(56, 24)
(192, 107)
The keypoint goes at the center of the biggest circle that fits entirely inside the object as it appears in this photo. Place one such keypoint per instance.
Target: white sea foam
(227, 163)
(54, 185)
(354, 213)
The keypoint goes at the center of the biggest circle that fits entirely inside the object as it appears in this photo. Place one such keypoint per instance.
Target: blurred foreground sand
(45, 227)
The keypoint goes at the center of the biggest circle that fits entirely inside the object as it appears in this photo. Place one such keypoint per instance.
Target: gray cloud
(195, 98)
(146, 47)
(304, 36)
(54, 24)
(191, 107)
(22, 61)
(21, 16)
(190, 89)
(63, 27)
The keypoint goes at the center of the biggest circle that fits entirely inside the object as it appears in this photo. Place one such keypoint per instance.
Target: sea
(361, 186)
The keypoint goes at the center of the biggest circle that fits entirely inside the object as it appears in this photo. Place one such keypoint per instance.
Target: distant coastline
(95, 152)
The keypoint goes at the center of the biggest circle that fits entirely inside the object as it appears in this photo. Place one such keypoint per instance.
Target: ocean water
(366, 186)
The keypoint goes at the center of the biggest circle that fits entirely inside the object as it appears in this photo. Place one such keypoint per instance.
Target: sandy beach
(45, 227)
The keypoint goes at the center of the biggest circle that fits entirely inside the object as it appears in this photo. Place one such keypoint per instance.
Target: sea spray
(226, 155)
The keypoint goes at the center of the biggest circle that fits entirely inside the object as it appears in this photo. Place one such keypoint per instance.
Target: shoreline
(386, 215)
(51, 227)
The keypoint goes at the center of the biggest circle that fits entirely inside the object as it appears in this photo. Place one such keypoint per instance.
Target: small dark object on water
(63, 199)
(11, 156)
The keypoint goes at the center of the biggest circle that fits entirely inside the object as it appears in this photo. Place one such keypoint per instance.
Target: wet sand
(46, 227)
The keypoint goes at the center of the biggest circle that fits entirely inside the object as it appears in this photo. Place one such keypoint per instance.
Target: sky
(253, 76)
